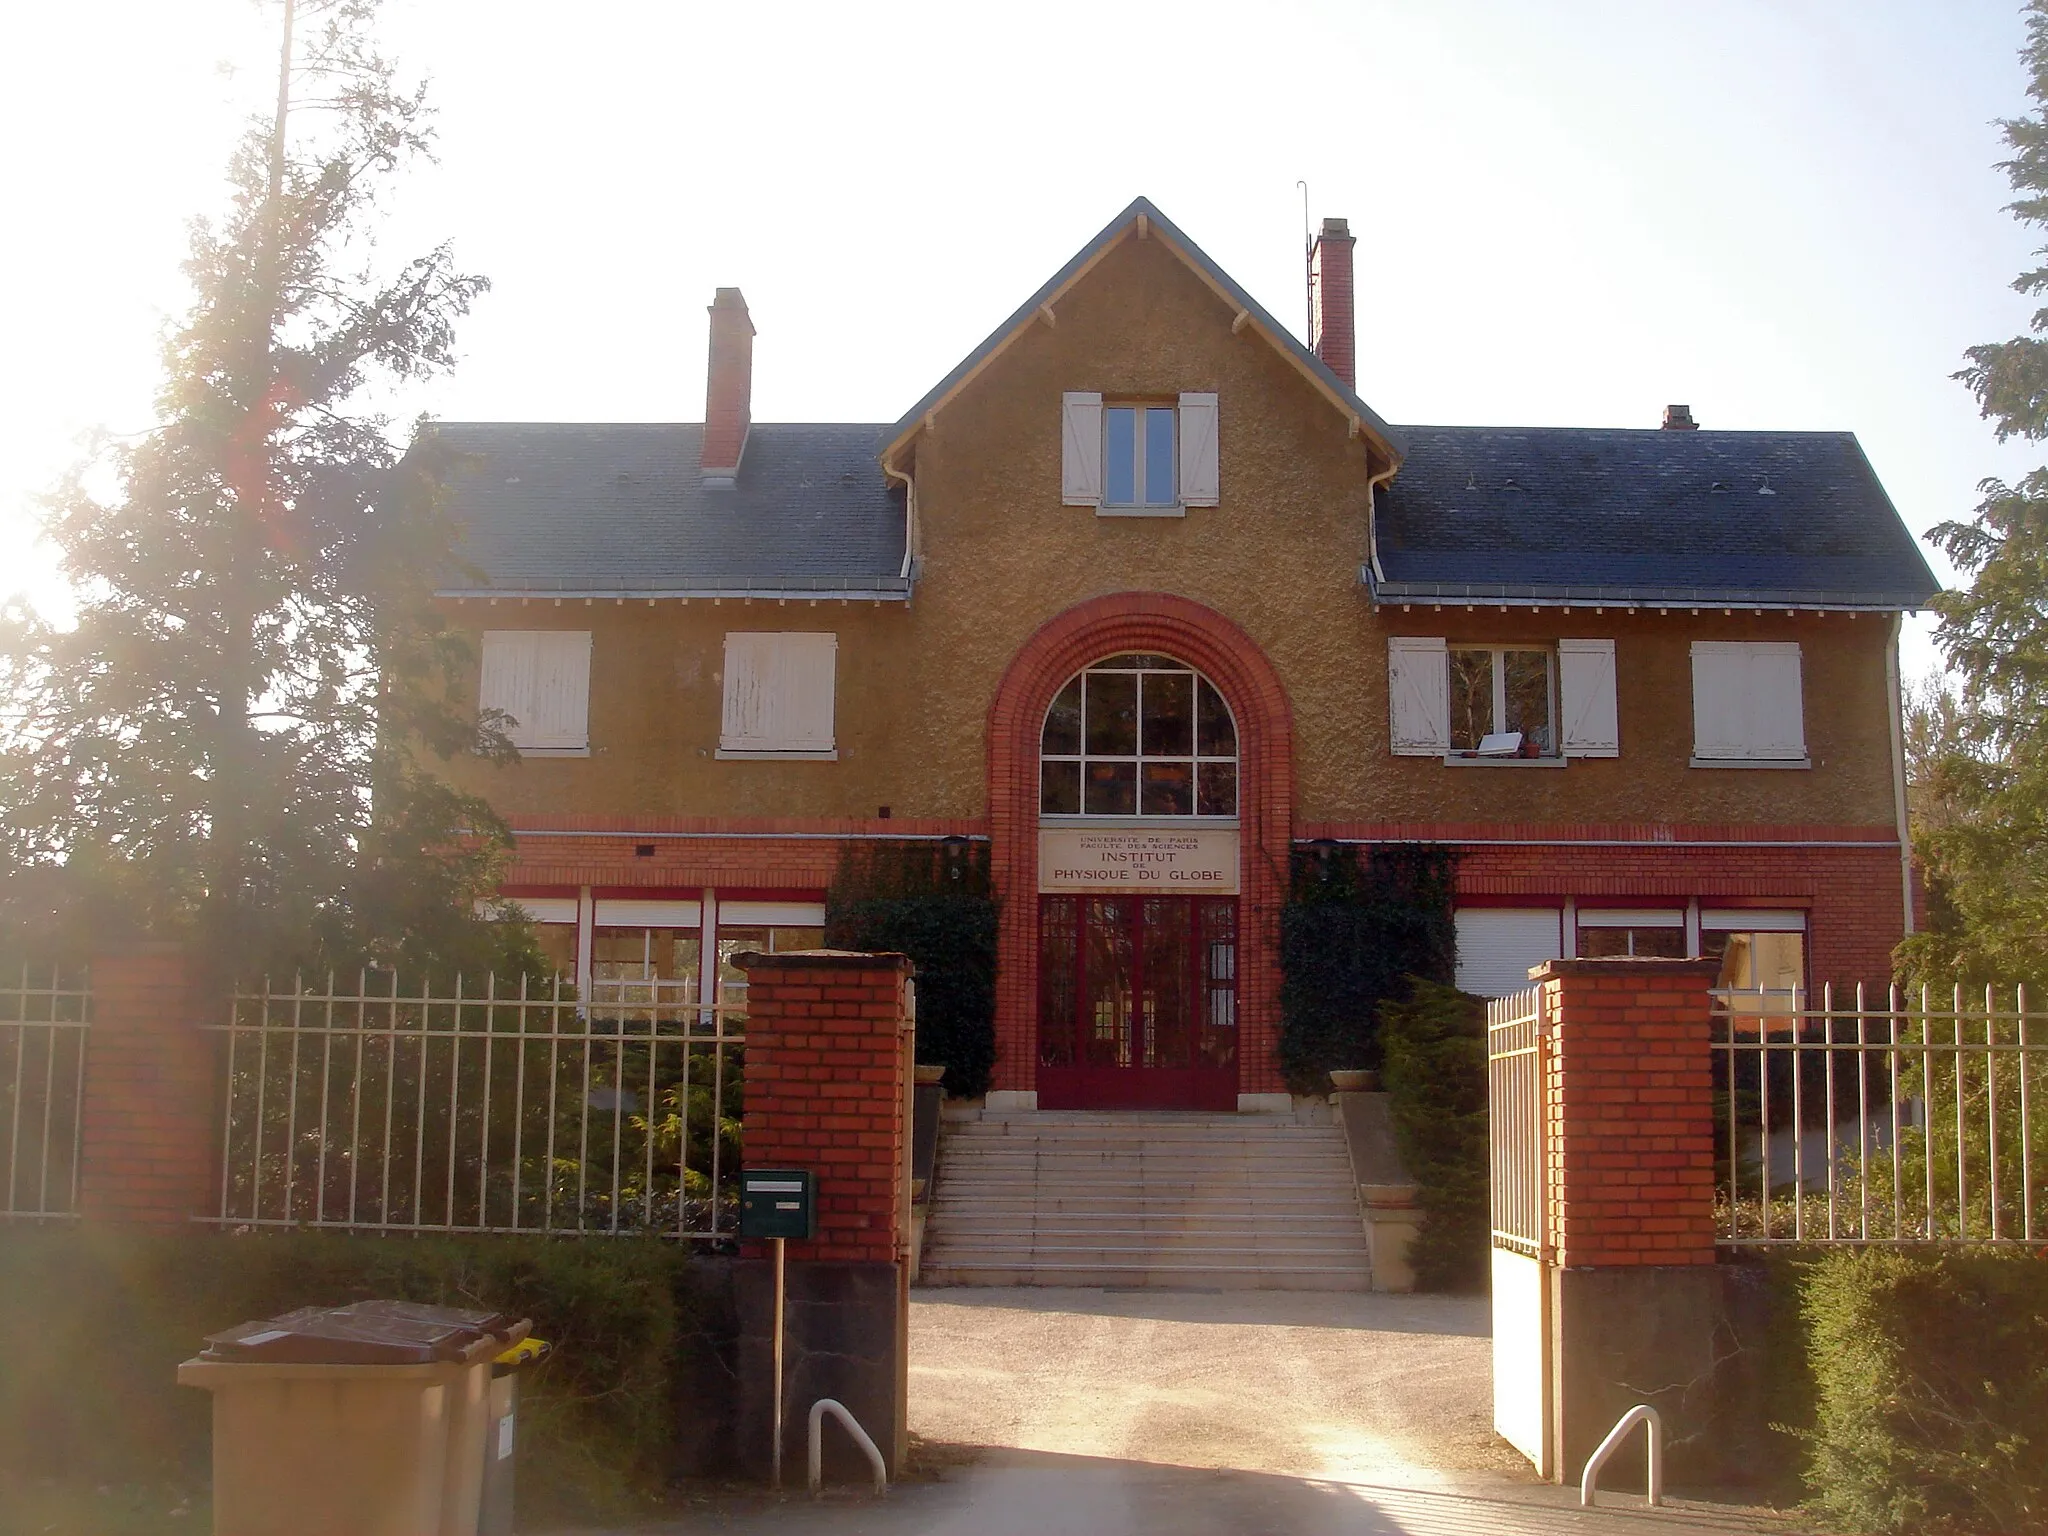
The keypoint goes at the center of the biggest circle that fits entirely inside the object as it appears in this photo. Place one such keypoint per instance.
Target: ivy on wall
(1357, 923)
(933, 902)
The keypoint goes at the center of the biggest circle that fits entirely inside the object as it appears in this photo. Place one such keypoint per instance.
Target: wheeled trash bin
(366, 1420)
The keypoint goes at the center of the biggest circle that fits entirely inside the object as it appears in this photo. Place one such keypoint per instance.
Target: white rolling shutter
(1585, 684)
(541, 678)
(1418, 696)
(1201, 482)
(779, 694)
(1497, 945)
(1747, 701)
(1081, 448)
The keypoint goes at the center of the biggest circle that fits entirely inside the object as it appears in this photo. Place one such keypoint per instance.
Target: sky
(1784, 213)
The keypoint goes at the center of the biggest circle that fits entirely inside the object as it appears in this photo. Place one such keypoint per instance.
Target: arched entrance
(1140, 809)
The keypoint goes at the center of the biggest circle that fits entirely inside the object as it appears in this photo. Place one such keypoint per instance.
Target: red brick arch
(1229, 658)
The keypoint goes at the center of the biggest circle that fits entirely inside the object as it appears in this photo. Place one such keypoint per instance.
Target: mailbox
(778, 1202)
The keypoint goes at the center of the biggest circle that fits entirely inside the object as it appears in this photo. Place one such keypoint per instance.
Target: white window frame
(1141, 507)
(1465, 756)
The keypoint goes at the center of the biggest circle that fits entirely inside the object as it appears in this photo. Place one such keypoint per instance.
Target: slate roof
(622, 510)
(1554, 514)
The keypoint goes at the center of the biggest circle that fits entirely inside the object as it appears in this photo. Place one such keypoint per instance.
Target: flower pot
(928, 1075)
(1355, 1080)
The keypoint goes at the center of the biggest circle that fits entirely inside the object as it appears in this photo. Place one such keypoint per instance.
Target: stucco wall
(1279, 556)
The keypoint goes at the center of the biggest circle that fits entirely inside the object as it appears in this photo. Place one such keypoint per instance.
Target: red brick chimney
(1333, 328)
(1678, 418)
(728, 386)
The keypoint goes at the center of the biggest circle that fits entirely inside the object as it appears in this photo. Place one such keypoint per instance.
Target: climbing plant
(934, 903)
(1357, 923)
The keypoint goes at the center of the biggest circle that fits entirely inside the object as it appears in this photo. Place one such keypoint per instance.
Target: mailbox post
(778, 1204)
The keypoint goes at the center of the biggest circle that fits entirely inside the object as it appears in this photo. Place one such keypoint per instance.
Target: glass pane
(1112, 789)
(1215, 735)
(1120, 455)
(1528, 689)
(783, 941)
(732, 981)
(1107, 971)
(1144, 661)
(1167, 1006)
(1112, 714)
(1169, 710)
(558, 942)
(1058, 953)
(1657, 943)
(1219, 983)
(1218, 789)
(1059, 789)
(1602, 943)
(1062, 736)
(1159, 486)
(1169, 789)
(1471, 698)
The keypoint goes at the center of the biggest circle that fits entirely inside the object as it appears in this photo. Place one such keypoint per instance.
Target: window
(1762, 953)
(541, 680)
(1747, 707)
(1139, 458)
(779, 696)
(1500, 701)
(1498, 945)
(1652, 935)
(1138, 735)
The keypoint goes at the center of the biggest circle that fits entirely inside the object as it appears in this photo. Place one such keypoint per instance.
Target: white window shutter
(1778, 706)
(1418, 695)
(1720, 680)
(1201, 482)
(1081, 448)
(541, 678)
(779, 693)
(1585, 685)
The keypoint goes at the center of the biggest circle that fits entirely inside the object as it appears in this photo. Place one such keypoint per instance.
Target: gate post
(830, 1040)
(1635, 1298)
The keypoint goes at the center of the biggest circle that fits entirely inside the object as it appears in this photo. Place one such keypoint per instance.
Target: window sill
(751, 755)
(1177, 510)
(1066, 821)
(554, 751)
(1750, 762)
(1454, 760)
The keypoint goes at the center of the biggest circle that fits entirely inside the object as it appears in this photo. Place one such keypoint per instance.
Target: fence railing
(1911, 1120)
(44, 1017)
(1514, 1067)
(482, 1107)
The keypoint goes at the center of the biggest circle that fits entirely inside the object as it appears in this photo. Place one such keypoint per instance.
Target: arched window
(1138, 735)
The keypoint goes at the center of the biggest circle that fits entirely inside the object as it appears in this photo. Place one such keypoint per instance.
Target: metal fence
(1911, 1120)
(1515, 1062)
(44, 1016)
(483, 1107)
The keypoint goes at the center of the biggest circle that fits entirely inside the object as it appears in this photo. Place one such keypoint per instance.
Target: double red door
(1137, 1002)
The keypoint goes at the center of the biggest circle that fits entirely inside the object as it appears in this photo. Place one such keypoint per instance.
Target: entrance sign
(1191, 861)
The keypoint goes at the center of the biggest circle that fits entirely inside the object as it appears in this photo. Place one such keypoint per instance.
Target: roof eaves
(1319, 372)
(1546, 595)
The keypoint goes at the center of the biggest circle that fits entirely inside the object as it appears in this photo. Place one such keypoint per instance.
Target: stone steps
(1193, 1201)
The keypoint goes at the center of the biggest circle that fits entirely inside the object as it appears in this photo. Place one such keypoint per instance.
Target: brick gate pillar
(149, 1137)
(1636, 1305)
(829, 1068)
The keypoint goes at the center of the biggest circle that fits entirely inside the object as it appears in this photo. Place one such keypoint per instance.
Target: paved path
(1049, 1412)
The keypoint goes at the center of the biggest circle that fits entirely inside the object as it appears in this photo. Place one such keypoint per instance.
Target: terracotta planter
(928, 1075)
(1355, 1080)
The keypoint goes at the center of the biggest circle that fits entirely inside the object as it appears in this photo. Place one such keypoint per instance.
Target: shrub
(1355, 927)
(1435, 1046)
(95, 1324)
(1930, 1375)
(931, 902)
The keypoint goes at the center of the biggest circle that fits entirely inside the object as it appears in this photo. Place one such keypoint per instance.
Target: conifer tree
(233, 743)
(1984, 762)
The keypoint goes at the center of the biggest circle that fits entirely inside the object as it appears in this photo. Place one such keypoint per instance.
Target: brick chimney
(1678, 418)
(1333, 331)
(728, 386)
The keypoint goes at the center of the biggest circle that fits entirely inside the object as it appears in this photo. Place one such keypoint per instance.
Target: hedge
(94, 1324)
(1929, 1375)
(1434, 1041)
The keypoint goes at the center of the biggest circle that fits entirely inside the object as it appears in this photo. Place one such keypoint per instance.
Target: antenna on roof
(1308, 269)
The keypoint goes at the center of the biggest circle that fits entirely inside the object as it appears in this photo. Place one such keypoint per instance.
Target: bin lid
(368, 1333)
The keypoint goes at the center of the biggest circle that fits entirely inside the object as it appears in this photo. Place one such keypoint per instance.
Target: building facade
(1144, 596)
